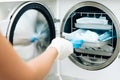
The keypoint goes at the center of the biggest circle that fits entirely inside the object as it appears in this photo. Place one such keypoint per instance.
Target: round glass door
(31, 30)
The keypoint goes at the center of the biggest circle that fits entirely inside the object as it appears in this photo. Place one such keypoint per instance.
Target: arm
(13, 68)
(42, 64)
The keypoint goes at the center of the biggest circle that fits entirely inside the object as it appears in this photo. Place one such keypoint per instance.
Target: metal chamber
(91, 56)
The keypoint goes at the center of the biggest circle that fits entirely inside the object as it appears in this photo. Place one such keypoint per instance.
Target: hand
(63, 46)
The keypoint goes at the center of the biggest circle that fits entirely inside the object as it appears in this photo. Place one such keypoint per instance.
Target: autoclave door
(31, 29)
(98, 27)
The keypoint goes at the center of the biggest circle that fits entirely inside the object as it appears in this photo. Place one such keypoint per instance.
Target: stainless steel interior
(91, 55)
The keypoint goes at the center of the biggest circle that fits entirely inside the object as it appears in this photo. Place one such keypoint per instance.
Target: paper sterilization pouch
(93, 23)
(92, 20)
(80, 34)
(90, 38)
(93, 26)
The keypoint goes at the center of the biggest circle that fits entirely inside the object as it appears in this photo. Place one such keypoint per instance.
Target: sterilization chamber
(97, 24)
